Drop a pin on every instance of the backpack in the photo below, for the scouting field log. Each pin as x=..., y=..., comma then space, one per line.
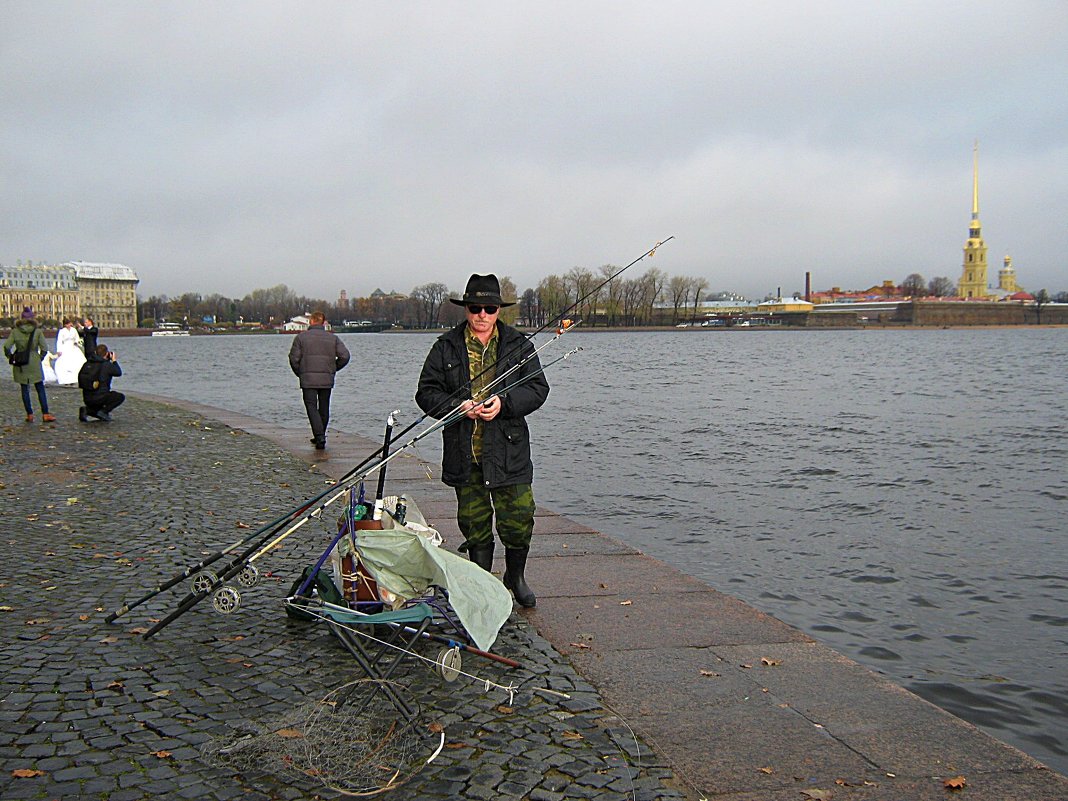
x=321, y=585
x=89, y=376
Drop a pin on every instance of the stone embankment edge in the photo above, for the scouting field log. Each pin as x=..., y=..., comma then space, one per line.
x=740, y=704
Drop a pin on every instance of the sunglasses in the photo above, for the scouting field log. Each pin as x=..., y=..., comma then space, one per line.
x=480, y=309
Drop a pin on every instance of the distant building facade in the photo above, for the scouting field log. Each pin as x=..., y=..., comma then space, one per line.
x=108, y=293
x=52, y=292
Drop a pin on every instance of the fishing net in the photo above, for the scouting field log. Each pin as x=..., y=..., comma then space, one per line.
x=353, y=741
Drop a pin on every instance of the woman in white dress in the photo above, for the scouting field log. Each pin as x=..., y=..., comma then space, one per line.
x=69, y=354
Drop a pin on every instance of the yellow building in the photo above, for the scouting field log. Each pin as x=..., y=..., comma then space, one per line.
x=1007, y=278
x=52, y=292
x=972, y=282
x=108, y=293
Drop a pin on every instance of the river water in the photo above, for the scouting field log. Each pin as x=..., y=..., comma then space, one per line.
x=899, y=495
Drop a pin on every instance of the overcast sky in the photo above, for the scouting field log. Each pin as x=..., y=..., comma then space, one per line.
x=222, y=147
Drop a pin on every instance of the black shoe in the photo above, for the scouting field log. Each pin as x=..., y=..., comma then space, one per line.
x=515, y=561
x=83, y=415
x=103, y=416
x=482, y=555
x=320, y=444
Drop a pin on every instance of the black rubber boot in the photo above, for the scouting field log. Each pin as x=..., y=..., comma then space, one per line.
x=482, y=555
x=515, y=561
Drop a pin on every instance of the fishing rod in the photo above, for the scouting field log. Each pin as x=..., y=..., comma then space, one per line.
x=275, y=525
x=278, y=523
x=350, y=523
x=262, y=547
x=550, y=322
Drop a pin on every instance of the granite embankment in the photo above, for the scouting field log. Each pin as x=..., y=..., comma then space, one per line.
x=725, y=701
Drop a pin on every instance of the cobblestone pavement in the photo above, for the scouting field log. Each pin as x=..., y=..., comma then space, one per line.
x=95, y=514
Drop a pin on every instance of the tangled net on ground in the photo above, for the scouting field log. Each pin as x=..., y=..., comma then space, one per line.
x=353, y=740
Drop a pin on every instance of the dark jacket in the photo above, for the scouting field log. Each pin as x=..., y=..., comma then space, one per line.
x=95, y=376
x=26, y=334
x=316, y=354
x=445, y=383
x=89, y=336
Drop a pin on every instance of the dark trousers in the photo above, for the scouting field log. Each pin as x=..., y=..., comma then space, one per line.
x=317, y=402
x=41, y=397
x=107, y=402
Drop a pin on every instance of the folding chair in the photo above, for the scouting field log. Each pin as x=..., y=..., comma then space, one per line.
x=380, y=656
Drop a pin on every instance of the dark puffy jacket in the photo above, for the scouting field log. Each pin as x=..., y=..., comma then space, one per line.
x=95, y=376
x=315, y=356
x=445, y=383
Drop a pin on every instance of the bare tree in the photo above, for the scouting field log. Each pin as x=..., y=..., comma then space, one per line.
x=611, y=294
x=552, y=297
x=652, y=283
x=914, y=286
x=679, y=289
x=697, y=286
x=427, y=300
x=941, y=287
x=1041, y=299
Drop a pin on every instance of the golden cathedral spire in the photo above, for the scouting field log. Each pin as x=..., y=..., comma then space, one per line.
x=972, y=282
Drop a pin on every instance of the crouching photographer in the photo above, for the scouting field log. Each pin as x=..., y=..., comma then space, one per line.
x=94, y=378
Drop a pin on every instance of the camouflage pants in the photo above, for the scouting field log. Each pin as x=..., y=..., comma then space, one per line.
x=475, y=506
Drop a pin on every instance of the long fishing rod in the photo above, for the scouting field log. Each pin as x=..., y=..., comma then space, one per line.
x=262, y=547
x=556, y=320
x=276, y=524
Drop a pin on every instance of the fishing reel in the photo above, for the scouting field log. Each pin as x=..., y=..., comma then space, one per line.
x=249, y=576
x=447, y=664
x=204, y=581
x=226, y=600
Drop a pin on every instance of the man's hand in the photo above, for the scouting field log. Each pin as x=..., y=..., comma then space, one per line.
x=470, y=408
x=490, y=408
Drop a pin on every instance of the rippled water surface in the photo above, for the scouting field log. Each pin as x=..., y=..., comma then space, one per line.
x=900, y=495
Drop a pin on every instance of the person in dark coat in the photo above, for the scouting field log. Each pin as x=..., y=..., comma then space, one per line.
x=26, y=338
x=94, y=378
x=486, y=454
x=315, y=356
x=89, y=333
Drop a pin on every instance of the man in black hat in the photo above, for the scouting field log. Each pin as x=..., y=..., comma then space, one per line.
x=486, y=454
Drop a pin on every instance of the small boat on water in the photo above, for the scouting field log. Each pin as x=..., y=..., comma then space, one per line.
x=170, y=330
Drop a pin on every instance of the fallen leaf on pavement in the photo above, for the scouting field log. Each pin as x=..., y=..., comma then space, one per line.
x=770, y=662
x=956, y=783
x=26, y=773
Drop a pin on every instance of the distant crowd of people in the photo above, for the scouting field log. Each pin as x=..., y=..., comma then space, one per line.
x=78, y=360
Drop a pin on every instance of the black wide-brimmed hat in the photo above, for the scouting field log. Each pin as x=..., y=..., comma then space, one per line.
x=482, y=289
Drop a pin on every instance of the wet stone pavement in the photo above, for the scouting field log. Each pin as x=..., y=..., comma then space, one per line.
x=95, y=514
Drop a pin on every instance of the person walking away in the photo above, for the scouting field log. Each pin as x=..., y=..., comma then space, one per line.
x=25, y=349
x=89, y=333
x=69, y=354
x=486, y=454
x=94, y=378
x=315, y=357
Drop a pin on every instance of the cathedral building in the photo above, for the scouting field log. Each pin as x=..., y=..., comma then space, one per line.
x=973, y=279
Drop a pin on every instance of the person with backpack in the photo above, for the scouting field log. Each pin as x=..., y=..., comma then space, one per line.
x=25, y=349
x=94, y=379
